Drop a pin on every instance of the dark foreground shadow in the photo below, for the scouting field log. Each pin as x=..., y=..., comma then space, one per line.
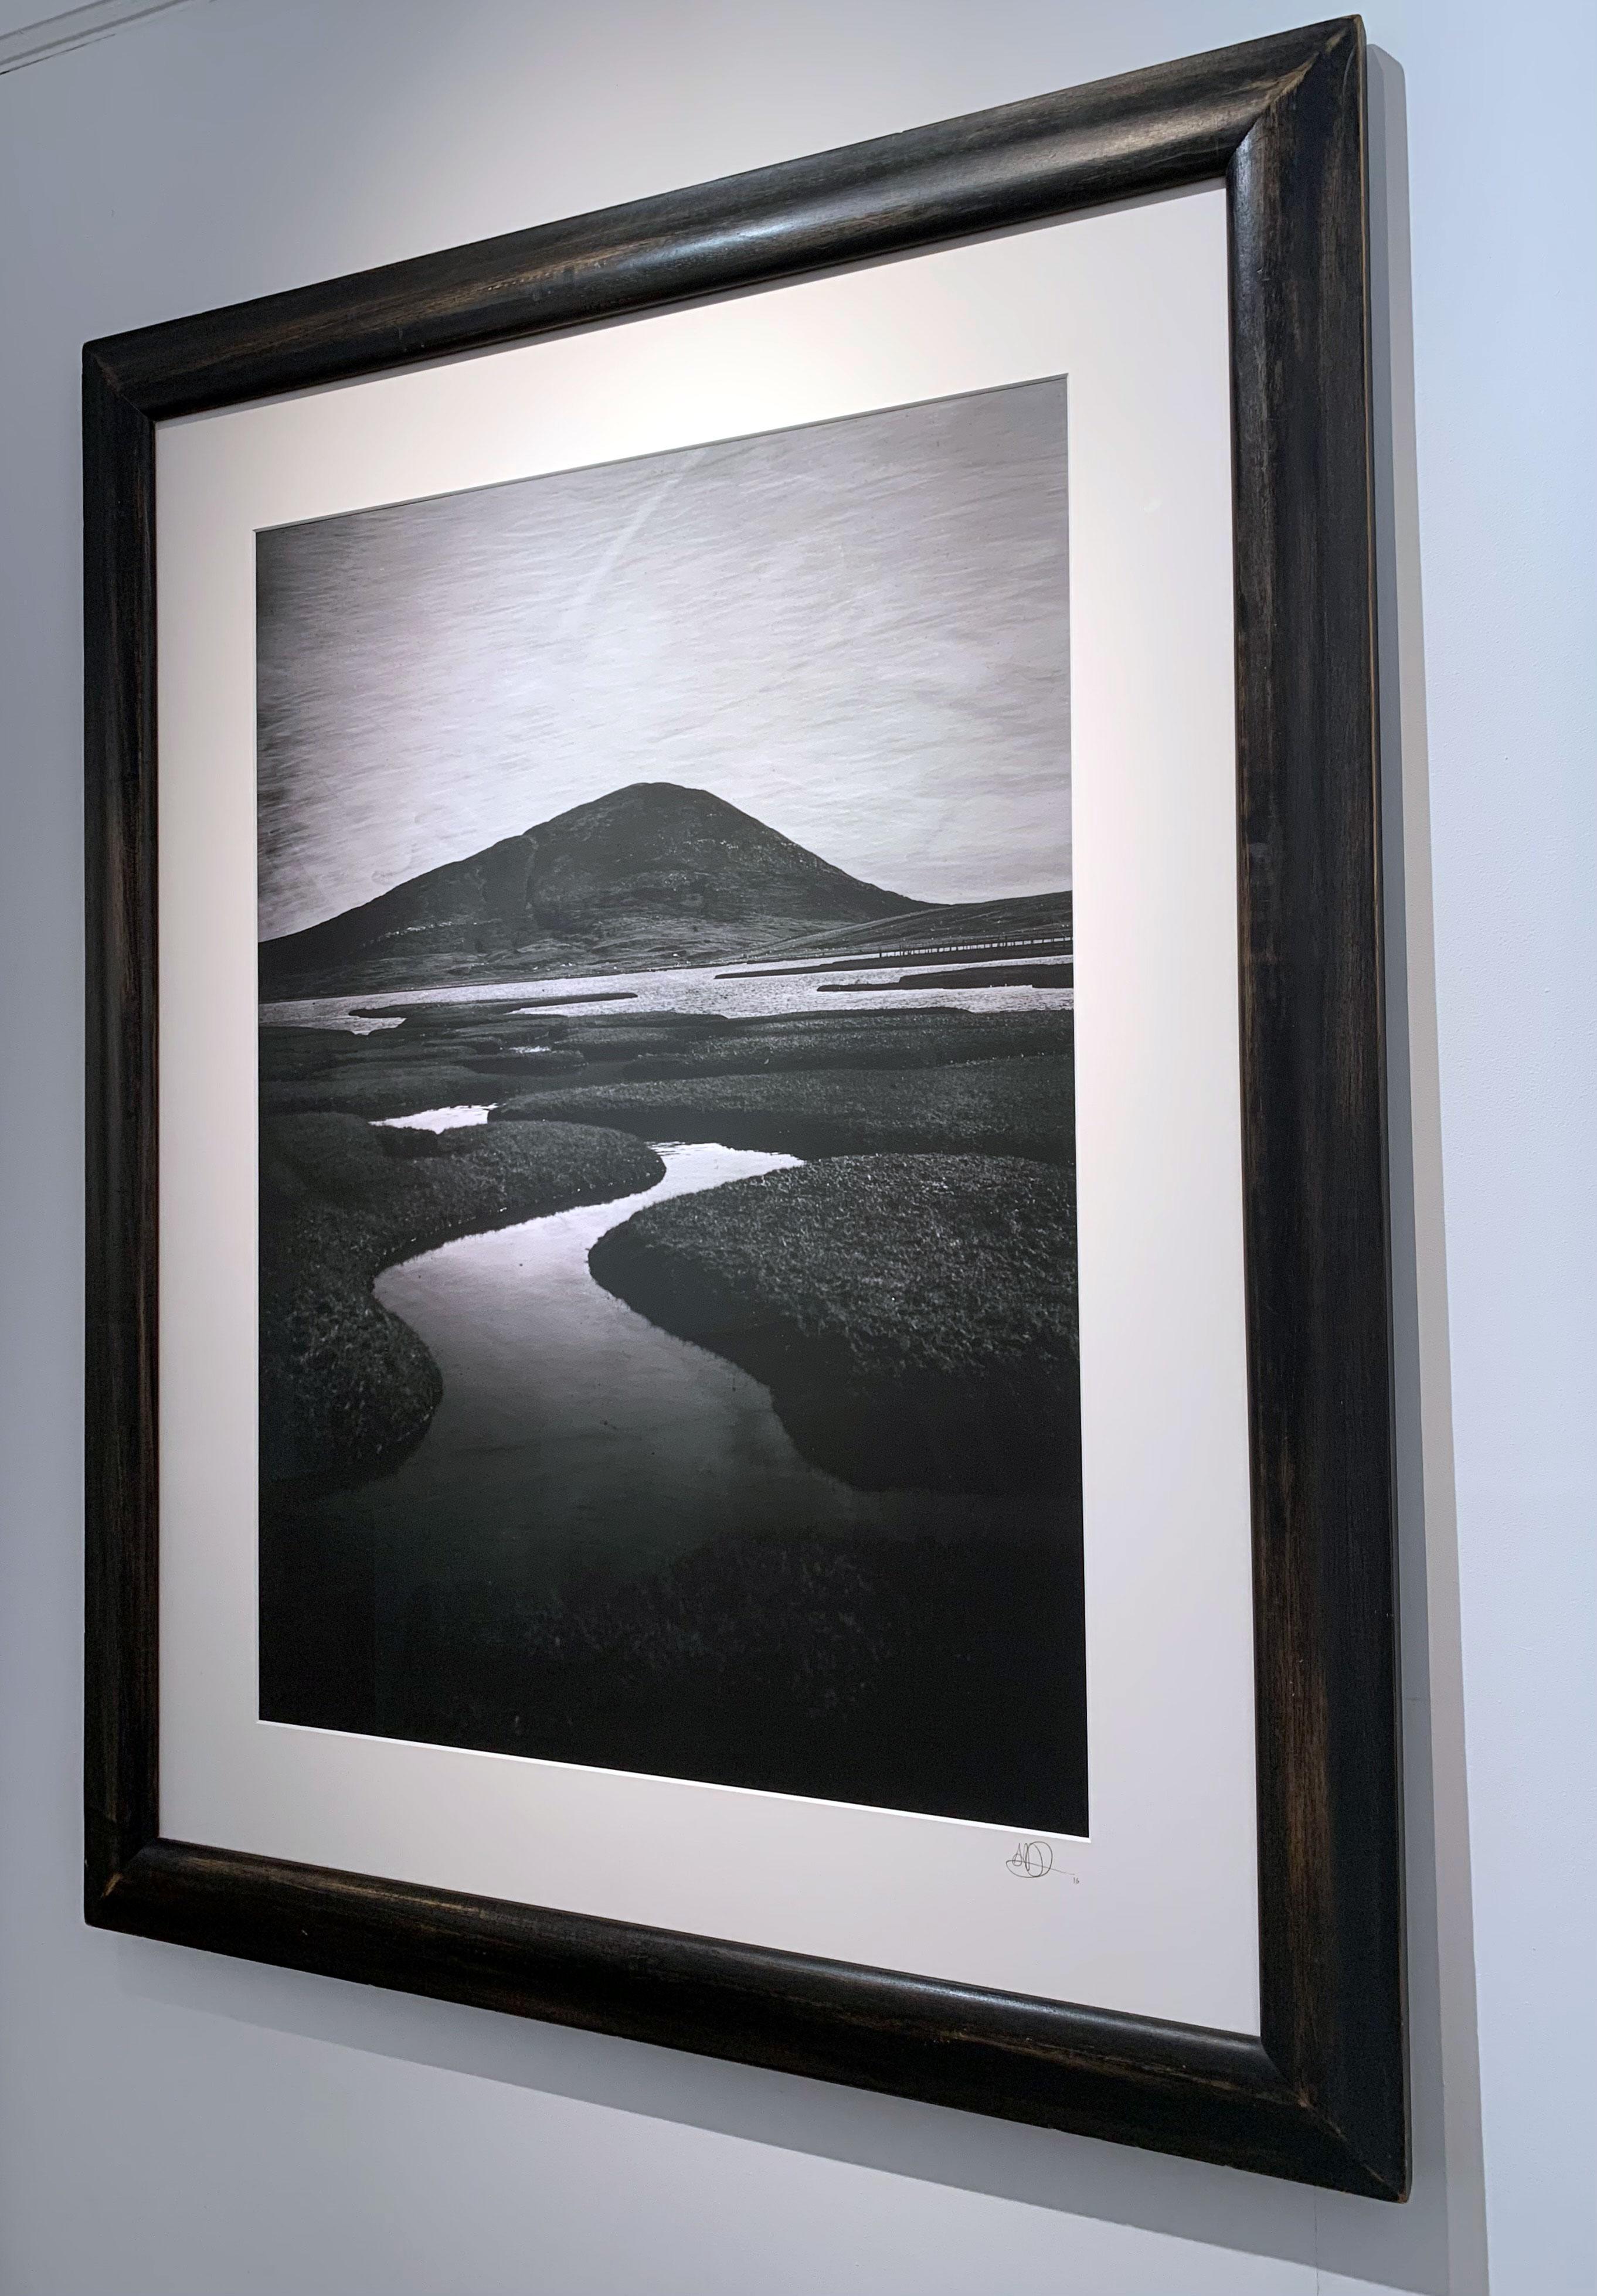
x=926, y=1673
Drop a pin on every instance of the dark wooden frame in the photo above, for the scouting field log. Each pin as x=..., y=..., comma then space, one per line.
x=1320, y=2096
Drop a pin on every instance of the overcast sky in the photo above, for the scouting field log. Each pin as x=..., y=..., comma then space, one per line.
x=857, y=631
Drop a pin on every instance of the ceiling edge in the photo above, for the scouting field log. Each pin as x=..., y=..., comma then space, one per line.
x=69, y=28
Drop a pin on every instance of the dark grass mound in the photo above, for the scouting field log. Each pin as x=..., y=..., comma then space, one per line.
x=986, y=1108
x=518, y=1061
x=884, y=1040
x=343, y=1383
x=405, y=1027
x=432, y=1060
x=290, y=1055
x=455, y=1054
x=922, y=1674
x=914, y=1317
x=373, y=1090
x=964, y=976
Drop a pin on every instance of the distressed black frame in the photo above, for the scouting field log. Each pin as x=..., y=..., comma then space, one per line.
x=1320, y=2096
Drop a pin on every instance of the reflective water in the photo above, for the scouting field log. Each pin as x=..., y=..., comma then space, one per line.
x=436, y=1119
x=574, y=1431
x=692, y=988
x=607, y=1549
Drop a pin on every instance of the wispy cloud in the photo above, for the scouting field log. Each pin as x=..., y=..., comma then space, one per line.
x=857, y=631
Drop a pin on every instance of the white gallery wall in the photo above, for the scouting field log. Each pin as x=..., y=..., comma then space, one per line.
x=174, y=2122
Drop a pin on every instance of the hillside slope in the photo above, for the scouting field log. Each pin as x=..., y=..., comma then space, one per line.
x=650, y=875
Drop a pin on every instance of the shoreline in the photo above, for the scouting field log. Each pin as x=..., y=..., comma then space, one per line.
x=348, y=1187
x=912, y=1316
x=767, y=1656
x=345, y=1385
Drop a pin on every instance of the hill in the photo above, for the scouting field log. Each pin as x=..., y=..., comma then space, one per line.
x=651, y=874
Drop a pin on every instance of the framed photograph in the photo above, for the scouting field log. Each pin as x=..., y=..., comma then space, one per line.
x=739, y=1369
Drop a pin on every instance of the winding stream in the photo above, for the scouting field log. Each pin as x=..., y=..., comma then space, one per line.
x=576, y=1443
x=581, y=1460
x=573, y=1432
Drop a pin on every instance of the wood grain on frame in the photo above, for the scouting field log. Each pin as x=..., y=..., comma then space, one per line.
x=1320, y=2096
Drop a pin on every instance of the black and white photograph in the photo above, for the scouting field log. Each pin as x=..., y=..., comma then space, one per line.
x=668, y=1348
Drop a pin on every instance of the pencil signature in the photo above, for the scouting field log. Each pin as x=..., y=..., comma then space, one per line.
x=1031, y=1861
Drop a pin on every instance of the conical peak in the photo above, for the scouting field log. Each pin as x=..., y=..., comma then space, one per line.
x=661, y=871
x=664, y=800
